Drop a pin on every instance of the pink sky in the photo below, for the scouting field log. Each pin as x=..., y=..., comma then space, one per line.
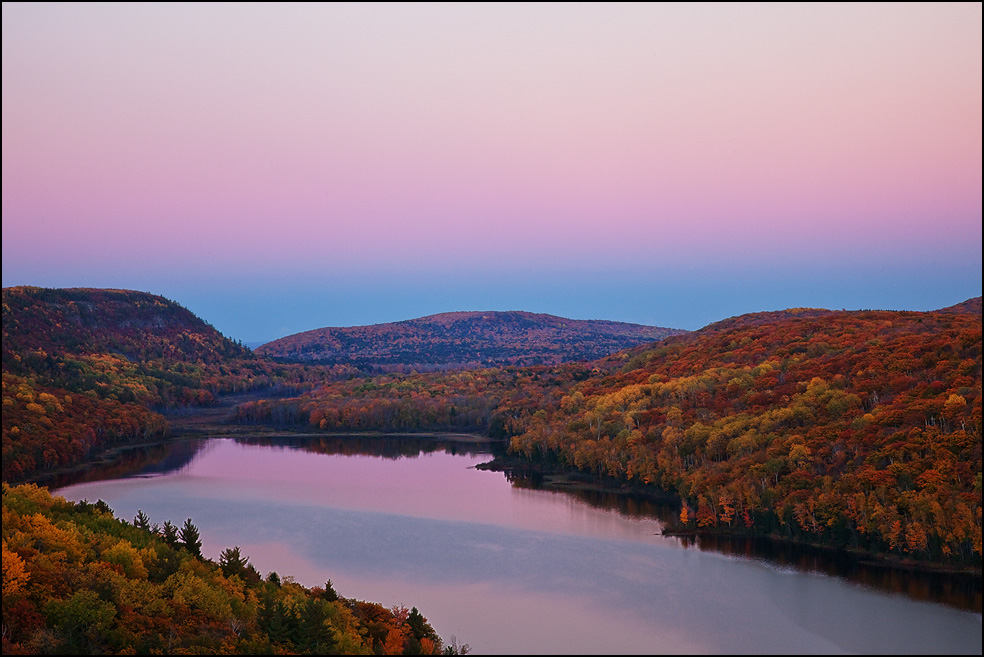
x=195, y=150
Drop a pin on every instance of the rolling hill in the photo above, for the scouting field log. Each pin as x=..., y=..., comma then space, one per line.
x=850, y=429
x=85, y=370
x=463, y=340
x=858, y=430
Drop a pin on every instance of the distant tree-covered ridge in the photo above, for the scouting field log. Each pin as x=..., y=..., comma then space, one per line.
x=463, y=340
x=76, y=580
x=855, y=429
x=85, y=370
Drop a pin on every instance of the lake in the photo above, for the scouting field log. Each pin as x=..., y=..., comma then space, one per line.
x=511, y=569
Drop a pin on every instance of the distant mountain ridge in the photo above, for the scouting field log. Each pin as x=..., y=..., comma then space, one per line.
x=458, y=340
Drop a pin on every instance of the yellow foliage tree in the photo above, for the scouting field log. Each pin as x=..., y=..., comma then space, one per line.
x=15, y=575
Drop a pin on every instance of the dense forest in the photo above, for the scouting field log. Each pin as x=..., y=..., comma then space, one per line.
x=86, y=370
x=852, y=429
x=855, y=430
x=76, y=580
x=463, y=340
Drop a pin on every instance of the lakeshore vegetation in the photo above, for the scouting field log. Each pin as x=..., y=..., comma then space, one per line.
x=856, y=430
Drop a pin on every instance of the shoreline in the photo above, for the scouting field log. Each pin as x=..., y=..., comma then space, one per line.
x=191, y=431
x=558, y=478
x=206, y=424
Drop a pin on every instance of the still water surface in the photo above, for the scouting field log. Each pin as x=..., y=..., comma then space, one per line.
x=512, y=570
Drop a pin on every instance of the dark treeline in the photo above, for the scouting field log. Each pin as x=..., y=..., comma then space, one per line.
x=387, y=446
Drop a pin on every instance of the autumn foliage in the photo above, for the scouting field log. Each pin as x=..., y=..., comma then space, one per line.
x=462, y=340
x=850, y=429
x=487, y=401
x=47, y=428
x=86, y=370
x=78, y=581
x=853, y=429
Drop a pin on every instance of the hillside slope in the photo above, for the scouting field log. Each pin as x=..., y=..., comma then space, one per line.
x=855, y=429
x=135, y=325
x=851, y=429
x=78, y=581
x=462, y=340
x=85, y=370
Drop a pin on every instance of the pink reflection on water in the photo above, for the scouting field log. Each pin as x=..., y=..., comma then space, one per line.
x=507, y=591
x=434, y=485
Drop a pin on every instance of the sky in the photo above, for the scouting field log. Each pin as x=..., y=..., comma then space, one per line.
x=277, y=168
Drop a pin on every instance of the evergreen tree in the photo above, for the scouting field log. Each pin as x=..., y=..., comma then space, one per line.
x=280, y=622
x=141, y=520
x=167, y=563
x=316, y=635
x=233, y=563
x=190, y=538
x=330, y=594
x=419, y=629
x=170, y=534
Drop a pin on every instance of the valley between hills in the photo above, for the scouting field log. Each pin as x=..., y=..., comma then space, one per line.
x=854, y=430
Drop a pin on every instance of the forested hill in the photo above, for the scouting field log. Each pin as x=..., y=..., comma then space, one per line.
x=85, y=370
x=972, y=306
x=855, y=429
x=134, y=325
x=464, y=340
x=852, y=429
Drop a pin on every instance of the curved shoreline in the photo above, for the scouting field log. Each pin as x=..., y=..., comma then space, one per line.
x=202, y=423
x=558, y=478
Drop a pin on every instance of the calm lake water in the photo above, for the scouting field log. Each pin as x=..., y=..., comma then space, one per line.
x=510, y=569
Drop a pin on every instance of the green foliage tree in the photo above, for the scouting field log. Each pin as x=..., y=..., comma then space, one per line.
x=233, y=563
x=82, y=619
x=316, y=635
x=190, y=538
x=141, y=521
x=170, y=534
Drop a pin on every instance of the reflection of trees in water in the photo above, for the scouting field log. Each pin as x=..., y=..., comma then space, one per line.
x=387, y=447
x=631, y=505
x=146, y=460
x=956, y=590
x=953, y=589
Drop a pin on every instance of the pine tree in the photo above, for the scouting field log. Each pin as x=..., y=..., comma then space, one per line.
x=141, y=520
x=233, y=563
x=170, y=534
x=190, y=538
x=316, y=635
